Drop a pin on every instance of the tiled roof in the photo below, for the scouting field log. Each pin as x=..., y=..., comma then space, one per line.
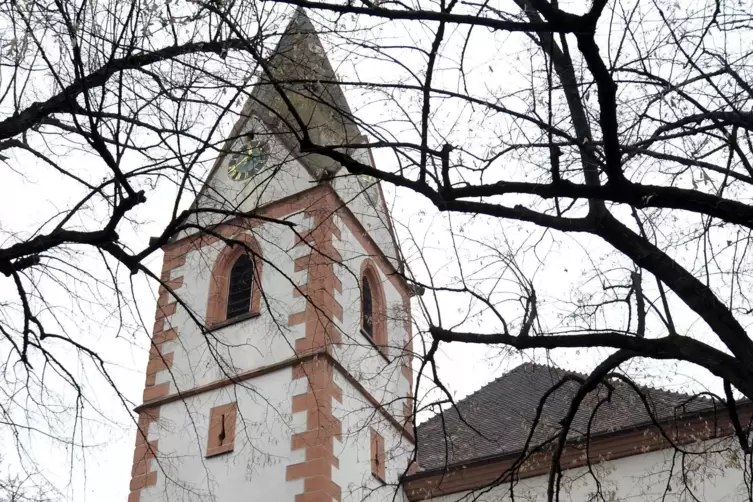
x=499, y=416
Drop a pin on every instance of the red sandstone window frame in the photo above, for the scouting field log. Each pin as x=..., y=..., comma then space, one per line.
x=221, y=434
x=219, y=283
x=377, y=456
x=378, y=307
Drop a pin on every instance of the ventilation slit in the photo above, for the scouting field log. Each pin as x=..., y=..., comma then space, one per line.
x=222, y=430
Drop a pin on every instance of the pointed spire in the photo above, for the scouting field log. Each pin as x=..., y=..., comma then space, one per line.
x=300, y=68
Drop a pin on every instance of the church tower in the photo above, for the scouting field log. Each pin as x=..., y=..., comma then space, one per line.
x=279, y=367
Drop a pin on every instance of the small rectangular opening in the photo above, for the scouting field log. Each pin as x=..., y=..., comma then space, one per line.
x=377, y=456
x=221, y=434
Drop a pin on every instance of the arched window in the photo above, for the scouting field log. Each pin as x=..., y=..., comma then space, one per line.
x=373, y=307
x=240, y=287
x=235, y=283
x=367, y=308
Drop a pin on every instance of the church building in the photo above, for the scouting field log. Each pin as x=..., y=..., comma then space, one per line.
x=281, y=363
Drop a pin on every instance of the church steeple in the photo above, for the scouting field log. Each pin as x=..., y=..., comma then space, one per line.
x=268, y=373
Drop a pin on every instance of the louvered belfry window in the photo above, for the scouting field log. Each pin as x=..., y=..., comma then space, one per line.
x=367, y=307
x=241, y=282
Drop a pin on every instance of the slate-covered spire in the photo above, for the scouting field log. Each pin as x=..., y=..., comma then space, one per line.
x=300, y=69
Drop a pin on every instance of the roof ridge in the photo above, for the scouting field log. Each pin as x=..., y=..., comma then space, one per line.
x=563, y=371
x=647, y=390
x=641, y=386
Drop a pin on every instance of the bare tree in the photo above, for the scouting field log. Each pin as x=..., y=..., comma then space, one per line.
x=26, y=488
x=621, y=130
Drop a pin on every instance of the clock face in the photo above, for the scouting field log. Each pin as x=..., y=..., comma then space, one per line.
x=249, y=161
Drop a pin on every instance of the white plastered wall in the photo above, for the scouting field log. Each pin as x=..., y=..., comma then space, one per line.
x=247, y=345
x=355, y=478
x=255, y=468
x=366, y=204
x=712, y=477
x=382, y=379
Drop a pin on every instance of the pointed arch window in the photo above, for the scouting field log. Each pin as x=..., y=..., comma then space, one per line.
x=240, y=287
x=367, y=308
x=373, y=307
